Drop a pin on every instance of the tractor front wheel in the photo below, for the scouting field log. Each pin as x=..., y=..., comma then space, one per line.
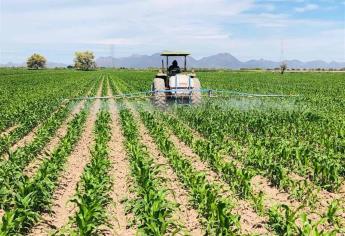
x=159, y=98
x=196, y=95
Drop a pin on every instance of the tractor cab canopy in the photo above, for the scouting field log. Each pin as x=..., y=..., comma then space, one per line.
x=168, y=54
x=175, y=54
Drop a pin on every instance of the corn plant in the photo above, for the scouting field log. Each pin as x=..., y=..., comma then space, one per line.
x=332, y=212
x=93, y=190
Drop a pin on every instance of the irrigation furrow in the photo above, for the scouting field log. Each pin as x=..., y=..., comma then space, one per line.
x=14, y=145
x=77, y=160
x=11, y=172
x=185, y=214
x=8, y=130
x=121, y=176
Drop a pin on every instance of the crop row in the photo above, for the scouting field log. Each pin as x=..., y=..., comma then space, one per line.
x=11, y=170
x=151, y=208
x=272, y=155
x=212, y=153
x=27, y=97
x=215, y=209
x=93, y=190
x=33, y=195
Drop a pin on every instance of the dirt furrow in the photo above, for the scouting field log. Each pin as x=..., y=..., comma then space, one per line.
x=2, y=212
x=185, y=213
x=31, y=169
x=120, y=173
x=62, y=209
x=272, y=196
x=342, y=191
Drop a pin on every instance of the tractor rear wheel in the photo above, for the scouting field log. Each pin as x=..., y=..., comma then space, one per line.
x=196, y=95
x=159, y=98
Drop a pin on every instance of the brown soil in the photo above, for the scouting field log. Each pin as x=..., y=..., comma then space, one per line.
x=2, y=212
x=251, y=223
x=272, y=196
x=341, y=191
x=9, y=130
x=121, y=176
x=184, y=214
x=62, y=209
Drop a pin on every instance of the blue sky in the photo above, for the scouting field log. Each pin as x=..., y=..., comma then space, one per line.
x=248, y=29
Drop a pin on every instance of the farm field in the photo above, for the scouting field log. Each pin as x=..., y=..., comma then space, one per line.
x=231, y=166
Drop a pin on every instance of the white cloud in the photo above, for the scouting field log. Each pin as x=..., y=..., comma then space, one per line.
x=307, y=7
x=146, y=26
x=127, y=23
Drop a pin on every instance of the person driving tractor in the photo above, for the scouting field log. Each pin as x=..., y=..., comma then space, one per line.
x=174, y=68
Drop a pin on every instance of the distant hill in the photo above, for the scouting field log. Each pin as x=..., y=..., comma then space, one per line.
x=49, y=65
x=221, y=60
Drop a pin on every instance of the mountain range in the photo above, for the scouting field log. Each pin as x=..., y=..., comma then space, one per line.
x=221, y=60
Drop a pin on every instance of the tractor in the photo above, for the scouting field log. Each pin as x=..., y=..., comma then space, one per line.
x=175, y=84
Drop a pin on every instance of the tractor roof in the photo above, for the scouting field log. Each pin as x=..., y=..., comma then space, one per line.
x=166, y=53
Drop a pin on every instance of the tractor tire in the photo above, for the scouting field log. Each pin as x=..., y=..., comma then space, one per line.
x=159, y=98
x=196, y=95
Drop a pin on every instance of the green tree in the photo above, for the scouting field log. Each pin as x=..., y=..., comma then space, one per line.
x=36, y=61
x=84, y=60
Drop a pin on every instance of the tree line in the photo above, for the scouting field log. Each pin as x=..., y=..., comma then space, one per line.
x=82, y=61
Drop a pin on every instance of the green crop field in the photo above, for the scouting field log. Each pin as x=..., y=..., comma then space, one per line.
x=234, y=165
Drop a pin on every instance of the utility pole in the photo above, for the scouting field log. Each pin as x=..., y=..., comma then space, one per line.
x=112, y=55
x=283, y=64
x=281, y=51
